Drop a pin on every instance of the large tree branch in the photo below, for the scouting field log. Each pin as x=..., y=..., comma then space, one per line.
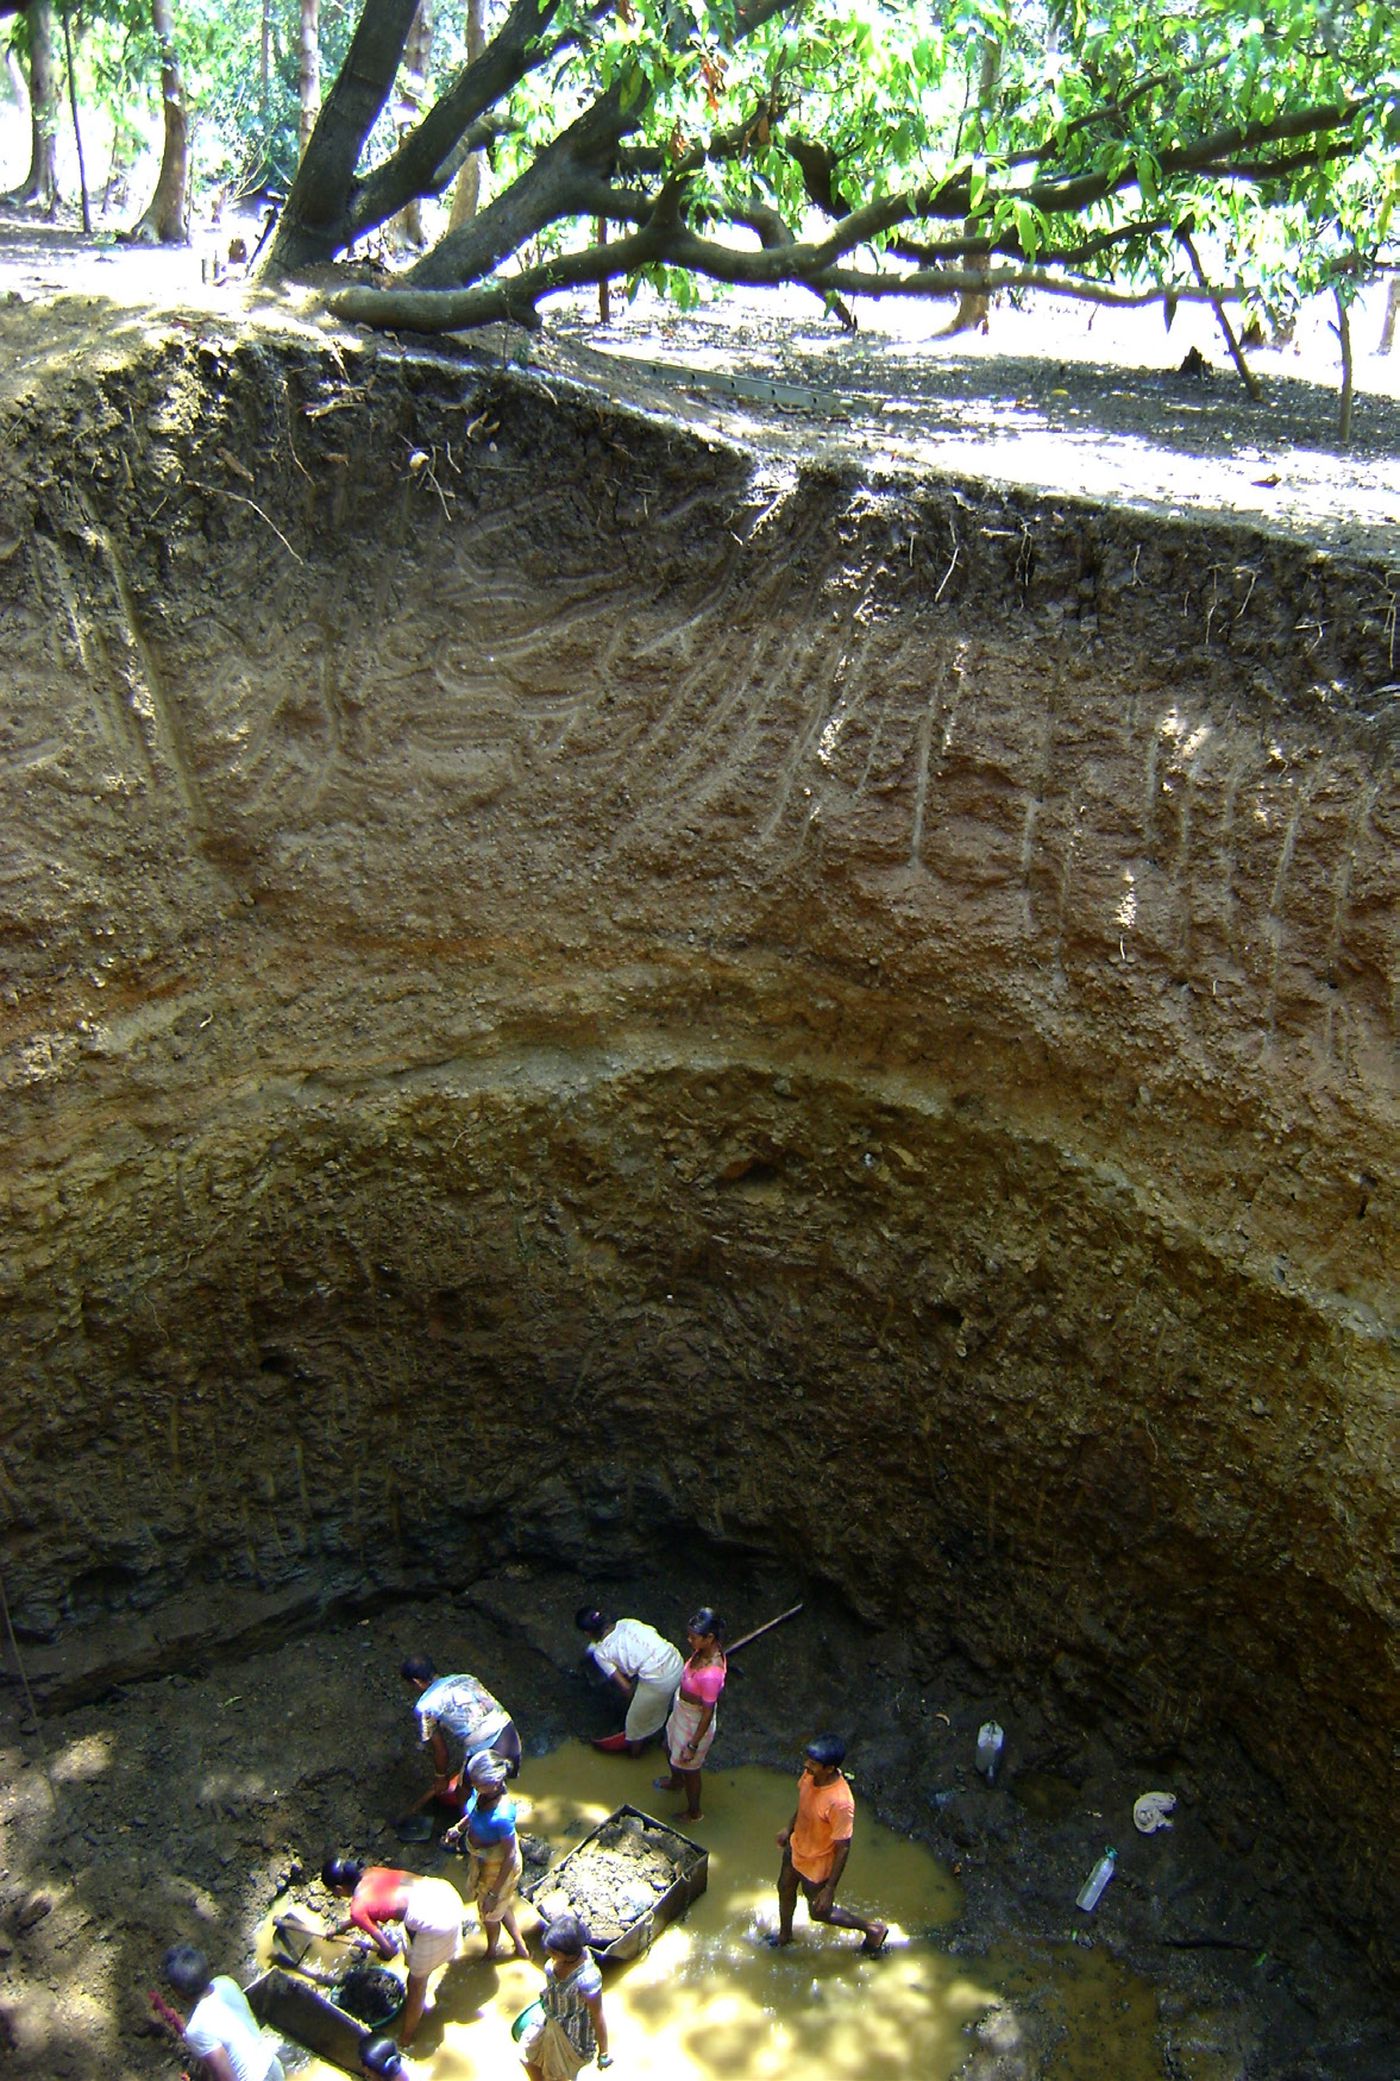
x=572, y=190
x=1106, y=113
x=1078, y=191
x=683, y=248
x=541, y=194
x=1010, y=246
x=418, y=166
x=1061, y=195
x=513, y=299
x=665, y=240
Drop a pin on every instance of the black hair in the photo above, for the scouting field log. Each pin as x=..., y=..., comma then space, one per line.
x=567, y=1934
x=338, y=1872
x=380, y=2056
x=707, y=1621
x=589, y=1619
x=827, y=1749
x=187, y=1969
x=417, y=1669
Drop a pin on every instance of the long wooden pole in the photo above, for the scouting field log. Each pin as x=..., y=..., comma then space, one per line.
x=735, y=1645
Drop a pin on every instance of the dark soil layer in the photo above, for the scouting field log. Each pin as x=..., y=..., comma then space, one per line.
x=573, y=987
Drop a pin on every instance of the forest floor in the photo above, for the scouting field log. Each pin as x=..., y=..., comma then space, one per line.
x=1091, y=403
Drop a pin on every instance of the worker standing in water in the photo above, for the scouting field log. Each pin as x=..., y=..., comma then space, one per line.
x=644, y=1667
x=571, y=2027
x=487, y=1832
x=816, y=1843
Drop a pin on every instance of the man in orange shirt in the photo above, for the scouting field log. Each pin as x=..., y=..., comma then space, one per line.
x=816, y=1843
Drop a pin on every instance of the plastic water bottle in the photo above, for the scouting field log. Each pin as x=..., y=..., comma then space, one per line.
x=989, y=1746
x=1091, y=1892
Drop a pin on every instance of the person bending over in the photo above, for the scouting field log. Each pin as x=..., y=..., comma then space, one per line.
x=222, y=2030
x=430, y=1910
x=643, y=1666
x=816, y=1843
x=457, y=1719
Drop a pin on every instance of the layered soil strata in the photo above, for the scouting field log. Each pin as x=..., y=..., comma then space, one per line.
x=558, y=969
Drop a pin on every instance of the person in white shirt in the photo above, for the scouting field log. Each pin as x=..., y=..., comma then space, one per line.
x=644, y=1667
x=223, y=2029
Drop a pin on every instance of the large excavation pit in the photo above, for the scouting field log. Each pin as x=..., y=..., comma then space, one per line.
x=593, y=1008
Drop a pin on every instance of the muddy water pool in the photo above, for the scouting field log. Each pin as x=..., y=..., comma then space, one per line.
x=711, y=1999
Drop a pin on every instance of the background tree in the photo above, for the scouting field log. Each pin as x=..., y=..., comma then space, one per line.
x=975, y=304
x=35, y=38
x=412, y=86
x=309, y=69
x=165, y=220
x=467, y=193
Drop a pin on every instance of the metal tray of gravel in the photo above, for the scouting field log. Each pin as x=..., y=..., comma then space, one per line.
x=626, y=1879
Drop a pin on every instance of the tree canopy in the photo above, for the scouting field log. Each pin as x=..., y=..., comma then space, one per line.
x=1091, y=148
x=1119, y=150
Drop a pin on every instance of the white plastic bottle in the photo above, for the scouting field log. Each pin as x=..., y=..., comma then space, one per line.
x=1091, y=1892
x=989, y=1746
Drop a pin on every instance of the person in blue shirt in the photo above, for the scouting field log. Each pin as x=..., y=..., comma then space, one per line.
x=486, y=1832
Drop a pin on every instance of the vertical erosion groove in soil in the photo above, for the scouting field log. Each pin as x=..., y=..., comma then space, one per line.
x=861, y=1019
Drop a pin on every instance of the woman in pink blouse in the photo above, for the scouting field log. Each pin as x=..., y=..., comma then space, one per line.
x=692, y=1725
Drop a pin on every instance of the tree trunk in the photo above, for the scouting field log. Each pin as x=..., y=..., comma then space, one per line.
x=466, y=196
x=166, y=220
x=41, y=182
x=1347, y=394
x=1392, y=311
x=312, y=224
x=309, y=71
x=71, y=68
x=413, y=81
x=974, y=305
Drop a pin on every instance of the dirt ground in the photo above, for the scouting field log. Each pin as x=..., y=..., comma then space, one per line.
x=1086, y=401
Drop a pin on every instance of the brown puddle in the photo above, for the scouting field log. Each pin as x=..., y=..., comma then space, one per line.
x=711, y=1999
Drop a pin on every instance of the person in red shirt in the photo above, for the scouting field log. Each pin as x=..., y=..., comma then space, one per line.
x=815, y=1845
x=430, y=1910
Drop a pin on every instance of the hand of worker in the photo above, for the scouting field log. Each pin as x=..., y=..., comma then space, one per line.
x=784, y=1838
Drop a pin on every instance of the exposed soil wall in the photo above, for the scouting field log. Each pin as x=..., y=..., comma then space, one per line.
x=562, y=973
